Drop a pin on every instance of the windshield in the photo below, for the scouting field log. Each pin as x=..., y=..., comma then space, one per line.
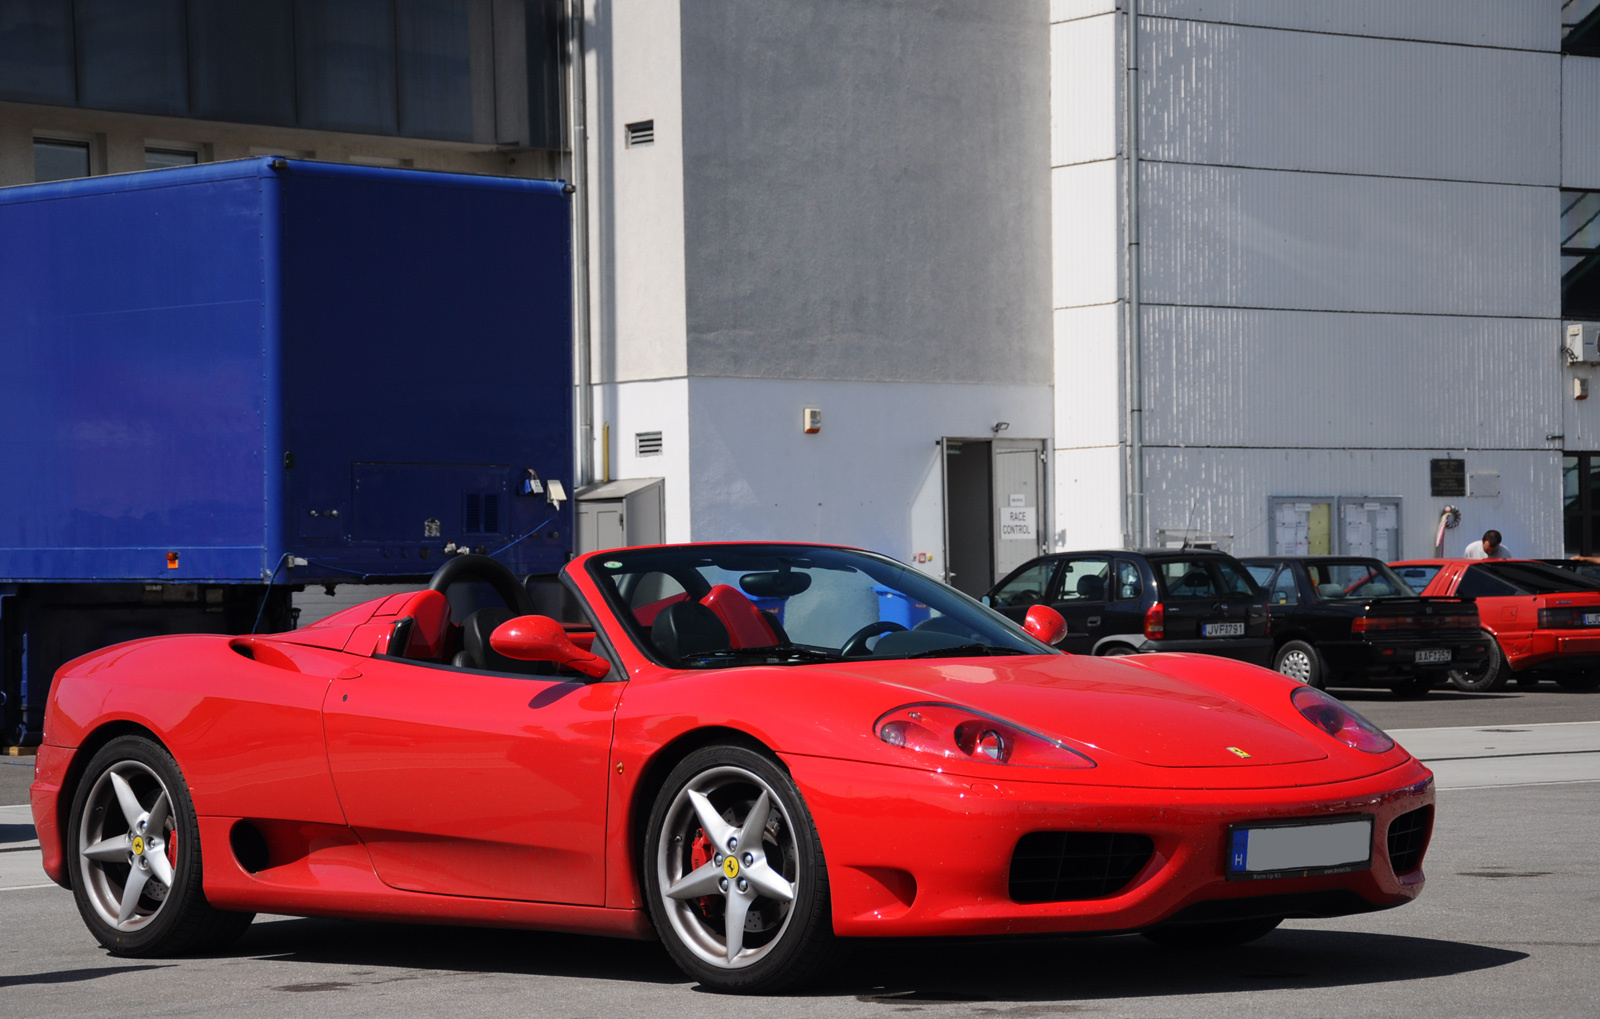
x=713, y=606
x=1356, y=580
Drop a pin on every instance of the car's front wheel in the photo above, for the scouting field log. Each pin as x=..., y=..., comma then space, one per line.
x=1300, y=661
x=1491, y=675
x=135, y=856
x=1221, y=934
x=734, y=874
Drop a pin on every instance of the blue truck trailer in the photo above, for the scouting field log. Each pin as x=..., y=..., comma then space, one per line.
x=222, y=382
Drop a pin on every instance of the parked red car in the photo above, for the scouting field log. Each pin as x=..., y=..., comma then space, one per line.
x=1545, y=620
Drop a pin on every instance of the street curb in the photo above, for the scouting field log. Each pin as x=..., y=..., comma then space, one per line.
x=20, y=751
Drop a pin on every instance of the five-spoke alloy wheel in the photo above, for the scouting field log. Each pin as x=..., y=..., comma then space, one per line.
x=736, y=882
x=135, y=856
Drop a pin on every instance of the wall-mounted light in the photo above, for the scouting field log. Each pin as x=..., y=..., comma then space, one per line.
x=999, y=426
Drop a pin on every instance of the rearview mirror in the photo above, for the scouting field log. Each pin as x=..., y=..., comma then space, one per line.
x=542, y=639
x=1043, y=623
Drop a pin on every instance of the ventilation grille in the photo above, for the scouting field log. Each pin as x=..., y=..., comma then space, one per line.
x=1064, y=866
x=642, y=133
x=483, y=513
x=647, y=443
x=1408, y=839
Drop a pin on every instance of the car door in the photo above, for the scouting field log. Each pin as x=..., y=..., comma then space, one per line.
x=466, y=782
x=1504, y=611
x=1129, y=596
x=1079, y=594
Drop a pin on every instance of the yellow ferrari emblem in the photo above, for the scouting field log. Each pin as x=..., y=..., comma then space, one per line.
x=138, y=845
x=730, y=867
x=1237, y=751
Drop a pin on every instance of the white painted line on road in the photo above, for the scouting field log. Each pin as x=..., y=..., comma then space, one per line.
x=24, y=888
x=1493, y=756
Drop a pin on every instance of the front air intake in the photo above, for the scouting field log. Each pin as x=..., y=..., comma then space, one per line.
x=1408, y=839
x=1065, y=866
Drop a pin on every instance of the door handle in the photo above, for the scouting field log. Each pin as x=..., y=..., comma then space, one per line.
x=1094, y=620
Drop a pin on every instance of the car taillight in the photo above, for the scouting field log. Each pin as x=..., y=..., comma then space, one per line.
x=1338, y=721
x=1374, y=624
x=1560, y=619
x=1155, y=622
x=950, y=731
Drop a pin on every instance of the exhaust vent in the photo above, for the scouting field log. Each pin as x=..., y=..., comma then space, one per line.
x=647, y=443
x=642, y=132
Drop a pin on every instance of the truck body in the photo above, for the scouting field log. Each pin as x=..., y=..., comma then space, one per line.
x=223, y=380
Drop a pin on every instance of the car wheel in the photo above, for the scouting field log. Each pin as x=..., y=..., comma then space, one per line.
x=1588, y=679
x=734, y=873
x=1410, y=689
x=135, y=856
x=1222, y=934
x=1492, y=675
x=1300, y=661
x=1116, y=651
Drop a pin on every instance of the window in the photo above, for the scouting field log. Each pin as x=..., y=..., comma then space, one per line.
x=1478, y=583
x=435, y=69
x=1580, y=254
x=36, y=64
x=132, y=55
x=1580, y=27
x=241, y=60
x=1130, y=582
x=1356, y=580
x=54, y=159
x=160, y=159
x=1194, y=579
x=344, y=65
x=1416, y=577
x=1083, y=580
x=1284, y=590
x=1027, y=587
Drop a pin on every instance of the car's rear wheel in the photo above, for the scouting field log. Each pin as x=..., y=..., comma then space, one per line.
x=1116, y=651
x=1302, y=662
x=1491, y=675
x=1222, y=934
x=135, y=856
x=1587, y=679
x=734, y=873
x=1416, y=686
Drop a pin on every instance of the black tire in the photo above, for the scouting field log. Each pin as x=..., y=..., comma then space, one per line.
x=1116, y=651
x=1492, y=675
x=1413, y=688
x=1588, y=679
x=1301, y=661
x=793, y=941
x=157, y=919
x=1222, y=934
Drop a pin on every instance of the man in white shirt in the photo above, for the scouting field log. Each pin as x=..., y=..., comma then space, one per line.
x=1488, y=547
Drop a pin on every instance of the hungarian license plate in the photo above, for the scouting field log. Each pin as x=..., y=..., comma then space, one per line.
x=1591, y=619
x=1222, y=629
x=1433, y=654
x=1297, y=848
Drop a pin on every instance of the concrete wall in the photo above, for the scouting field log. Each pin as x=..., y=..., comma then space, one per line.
x=865, y=192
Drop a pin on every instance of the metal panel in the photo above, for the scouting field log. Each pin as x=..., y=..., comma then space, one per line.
x=1239, y=482
x=1228, y=95
x=1519, y=24
x=1067, y=10
x=1217, y=376
x=1019, y=510
x=1085, y=75
x=1087, y=235
x=1276, y=239
x=1087, y=393
x=1580, y=126
x=1088, y=498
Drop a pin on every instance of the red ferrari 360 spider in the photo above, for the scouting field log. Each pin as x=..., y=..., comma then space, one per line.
x=749, y=751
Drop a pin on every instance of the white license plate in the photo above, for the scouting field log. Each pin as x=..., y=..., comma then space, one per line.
x=1591, y=619
x=1433, y=654
x=1222, y=630
x=1292, y=849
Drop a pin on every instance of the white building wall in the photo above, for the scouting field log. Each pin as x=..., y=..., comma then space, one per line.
x=653, y=406
x=1508, y=24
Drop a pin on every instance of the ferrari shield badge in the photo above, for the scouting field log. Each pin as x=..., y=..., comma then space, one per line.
x=1237, y=752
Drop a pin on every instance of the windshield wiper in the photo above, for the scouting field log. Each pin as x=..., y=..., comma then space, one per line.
x=964, y=650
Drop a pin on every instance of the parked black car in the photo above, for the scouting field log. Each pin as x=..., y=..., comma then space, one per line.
x=1121, y=602
x=1350, y=621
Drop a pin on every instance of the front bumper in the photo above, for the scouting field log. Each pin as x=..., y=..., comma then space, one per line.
x=915, y=853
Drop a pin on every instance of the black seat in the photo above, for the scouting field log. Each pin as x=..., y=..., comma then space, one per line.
x=1092, y=588
x=476, y=653
x=687, y=628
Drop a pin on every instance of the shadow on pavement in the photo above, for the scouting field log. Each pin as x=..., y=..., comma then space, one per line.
x=72, y=976
x=906, y=972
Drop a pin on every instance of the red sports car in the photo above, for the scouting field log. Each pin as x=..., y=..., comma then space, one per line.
x=1545, y=620
x=747, y=750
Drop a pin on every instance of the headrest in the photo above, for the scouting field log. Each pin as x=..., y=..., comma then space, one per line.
x=1092, y=588
x=687, y=628
x=746, y=626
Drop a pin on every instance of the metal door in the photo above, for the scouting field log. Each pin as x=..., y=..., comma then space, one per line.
x=1018, y=489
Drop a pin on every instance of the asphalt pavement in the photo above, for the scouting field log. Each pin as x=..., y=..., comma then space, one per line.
x=1508, y=925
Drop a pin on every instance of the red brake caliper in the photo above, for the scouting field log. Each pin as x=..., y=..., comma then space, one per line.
x=172, y=847
x=700, y=854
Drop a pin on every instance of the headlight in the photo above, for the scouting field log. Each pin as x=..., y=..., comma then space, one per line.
x=955, y=733
x=1340, y=722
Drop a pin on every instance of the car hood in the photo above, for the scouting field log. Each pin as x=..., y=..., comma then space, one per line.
x=1143, y=709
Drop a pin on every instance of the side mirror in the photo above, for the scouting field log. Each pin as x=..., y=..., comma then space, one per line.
x=541, y=639
x=1043, y=623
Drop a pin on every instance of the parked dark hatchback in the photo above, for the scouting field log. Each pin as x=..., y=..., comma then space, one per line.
x=1349, y=621
x=1121, y=602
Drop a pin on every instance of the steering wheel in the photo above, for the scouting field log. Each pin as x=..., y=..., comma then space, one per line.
x=481, y=568
x=857, y=644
